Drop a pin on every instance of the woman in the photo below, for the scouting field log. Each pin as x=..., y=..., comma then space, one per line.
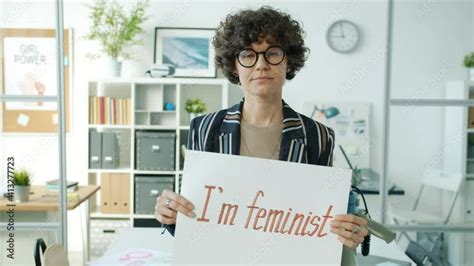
x=259, y=50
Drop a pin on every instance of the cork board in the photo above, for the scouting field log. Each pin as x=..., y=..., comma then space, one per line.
x=28, y=67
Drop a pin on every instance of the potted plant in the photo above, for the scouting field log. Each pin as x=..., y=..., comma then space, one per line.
x=116, y=31
x=469, y=63
x=22, y=182
x=195, y=107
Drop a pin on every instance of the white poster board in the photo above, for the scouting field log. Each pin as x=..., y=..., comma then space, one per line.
x=256, y=211
x=30, y=69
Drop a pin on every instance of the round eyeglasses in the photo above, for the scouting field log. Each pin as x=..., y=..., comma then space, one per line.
x=248, y=57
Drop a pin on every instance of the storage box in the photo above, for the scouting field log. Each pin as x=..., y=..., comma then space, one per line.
x=147, y=189
x=103, y=232
x=155, y=151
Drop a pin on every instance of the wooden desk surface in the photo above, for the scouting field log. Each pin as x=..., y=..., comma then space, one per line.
x=41, y=199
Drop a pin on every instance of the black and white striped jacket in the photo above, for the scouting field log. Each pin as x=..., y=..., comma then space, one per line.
x=303, y=141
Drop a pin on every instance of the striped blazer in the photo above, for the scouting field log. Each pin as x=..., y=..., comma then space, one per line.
x=303, y=139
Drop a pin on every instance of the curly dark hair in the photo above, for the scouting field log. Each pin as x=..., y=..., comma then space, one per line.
x=248, y=26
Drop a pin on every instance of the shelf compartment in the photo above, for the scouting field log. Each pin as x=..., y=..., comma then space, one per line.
x=118, y=90
x=100, y=145
x=162, y=118
x=211, y=95
x=110, y=103
x=149, y=97
x=97, y=214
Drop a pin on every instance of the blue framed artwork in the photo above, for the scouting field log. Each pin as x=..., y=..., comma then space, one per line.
x=188, y=50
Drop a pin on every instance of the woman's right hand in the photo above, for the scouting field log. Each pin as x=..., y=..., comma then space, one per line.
x=169, y=204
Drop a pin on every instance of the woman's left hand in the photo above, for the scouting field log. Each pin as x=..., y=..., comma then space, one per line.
x=350, y=229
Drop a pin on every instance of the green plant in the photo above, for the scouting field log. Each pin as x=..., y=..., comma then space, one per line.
x=195, y=106
x=469, y=60
x=114, y=29
x=21, y=178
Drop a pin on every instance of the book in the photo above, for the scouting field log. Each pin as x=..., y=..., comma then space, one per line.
x=55, y=182
x=56, y=188
x=53, y=185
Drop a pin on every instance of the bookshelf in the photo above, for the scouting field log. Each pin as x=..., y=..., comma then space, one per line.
x=141, y=102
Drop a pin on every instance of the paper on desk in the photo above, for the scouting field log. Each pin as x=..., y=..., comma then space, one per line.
x=135, y=257
x=230, y=192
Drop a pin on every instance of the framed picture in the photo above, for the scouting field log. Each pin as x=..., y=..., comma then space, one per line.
x=189, y=50
x=28, y=67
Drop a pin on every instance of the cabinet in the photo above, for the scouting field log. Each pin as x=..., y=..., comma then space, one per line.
x=150, y=139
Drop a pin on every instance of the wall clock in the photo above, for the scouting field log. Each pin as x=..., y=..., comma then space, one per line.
x=343, y=36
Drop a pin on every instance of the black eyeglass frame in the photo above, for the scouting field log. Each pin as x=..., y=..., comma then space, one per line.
x=258, y=54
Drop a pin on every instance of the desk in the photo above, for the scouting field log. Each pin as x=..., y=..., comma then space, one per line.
x=371, y=184
x=151, y=238
x=43, y=200
x=34, y=215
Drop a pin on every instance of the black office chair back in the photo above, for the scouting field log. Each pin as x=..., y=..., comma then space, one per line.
x=40, y=248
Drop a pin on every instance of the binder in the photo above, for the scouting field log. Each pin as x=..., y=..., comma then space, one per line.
x=95, y=149
x=124, y=195
x=115, y=195
x=110, y=150
x=105, y=196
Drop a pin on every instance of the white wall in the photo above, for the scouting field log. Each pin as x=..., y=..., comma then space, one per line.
x=421, y=49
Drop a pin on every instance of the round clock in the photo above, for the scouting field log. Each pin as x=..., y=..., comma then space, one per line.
x=343, y=36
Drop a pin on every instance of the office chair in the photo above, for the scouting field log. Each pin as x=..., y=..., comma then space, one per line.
x=450, y=182
x=429, y=246
x=54, y=255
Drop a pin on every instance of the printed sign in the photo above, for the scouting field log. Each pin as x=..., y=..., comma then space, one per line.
x=257, y=211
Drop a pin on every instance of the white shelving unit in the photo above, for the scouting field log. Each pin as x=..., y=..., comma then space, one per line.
x=459, y=158
x=468, y=193
x=147, y=113
x=148, y=97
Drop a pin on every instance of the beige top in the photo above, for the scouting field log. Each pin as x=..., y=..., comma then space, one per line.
x=260, y=142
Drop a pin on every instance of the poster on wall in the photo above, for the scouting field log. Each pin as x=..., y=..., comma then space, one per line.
x=351, y=124
x=256, y=211
x=29, y=68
